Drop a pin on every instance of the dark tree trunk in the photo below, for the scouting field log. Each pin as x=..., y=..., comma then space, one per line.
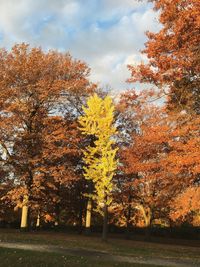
x=80, y=217
x=128, y=224
x=105, y=223
x=148, y=229
x=57, y=217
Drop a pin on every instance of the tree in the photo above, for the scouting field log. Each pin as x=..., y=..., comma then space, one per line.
x=159, y=168
x=60, y=160
x=183, y=163
x=127, y=121
x=173, y=54
x=186, y=203
x=100, y=157
x=33, y=85
x=144, y=164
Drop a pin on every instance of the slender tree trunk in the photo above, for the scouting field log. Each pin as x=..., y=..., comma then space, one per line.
x=80, y=217
x=38, y=221
x=105, y=223
x=88, y=217
x=29, y=197
x=128, y=224
x=24, y=216
x=57, y=212
x=57, y=208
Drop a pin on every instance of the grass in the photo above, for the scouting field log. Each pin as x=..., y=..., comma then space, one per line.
x=18, y=258
x=113, y=246
x=64, y=241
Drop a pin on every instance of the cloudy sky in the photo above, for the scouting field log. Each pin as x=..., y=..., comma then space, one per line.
x=107, y=34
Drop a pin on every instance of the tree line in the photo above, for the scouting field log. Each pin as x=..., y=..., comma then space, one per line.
x=66, y=147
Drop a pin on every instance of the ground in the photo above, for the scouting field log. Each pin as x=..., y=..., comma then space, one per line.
x=73, y=250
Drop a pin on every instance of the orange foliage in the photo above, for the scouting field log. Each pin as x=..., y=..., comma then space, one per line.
x=174, y=54
x=159, y=162
x=37, y=148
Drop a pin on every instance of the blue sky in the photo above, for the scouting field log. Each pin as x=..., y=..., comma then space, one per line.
x=107, y=34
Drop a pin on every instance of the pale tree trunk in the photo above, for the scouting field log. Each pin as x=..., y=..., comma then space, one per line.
x=147, y=218
x=24, y=216
x=147, y=215
x=38, y=221
x=88, y=217
x=105, y=223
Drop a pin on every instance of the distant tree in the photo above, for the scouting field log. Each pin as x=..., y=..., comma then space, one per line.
x=127, y=121
x=143, y=165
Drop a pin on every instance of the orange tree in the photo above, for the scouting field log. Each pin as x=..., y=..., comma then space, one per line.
x=173, y=54
x=33, y=86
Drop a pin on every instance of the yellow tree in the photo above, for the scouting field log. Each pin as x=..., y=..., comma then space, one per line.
x=100, y=157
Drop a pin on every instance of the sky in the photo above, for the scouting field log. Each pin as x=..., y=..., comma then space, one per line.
x=106, y=34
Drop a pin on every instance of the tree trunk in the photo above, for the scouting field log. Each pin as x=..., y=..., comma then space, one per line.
x=148, y=220
x=147, y=215
x=80, y=217
x=24, y=216
x=38, y=221
x=88, y=217
x=57, y=215
x=128, y=224
x=105, y=223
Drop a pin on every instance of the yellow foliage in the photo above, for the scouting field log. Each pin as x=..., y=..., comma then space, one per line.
x=100, y=157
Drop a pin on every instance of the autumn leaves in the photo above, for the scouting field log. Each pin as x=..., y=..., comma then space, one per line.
x=63, y=146
x=37, y=151
x=100, y=155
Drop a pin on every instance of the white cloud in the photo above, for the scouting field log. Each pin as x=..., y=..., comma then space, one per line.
x=107, y=34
